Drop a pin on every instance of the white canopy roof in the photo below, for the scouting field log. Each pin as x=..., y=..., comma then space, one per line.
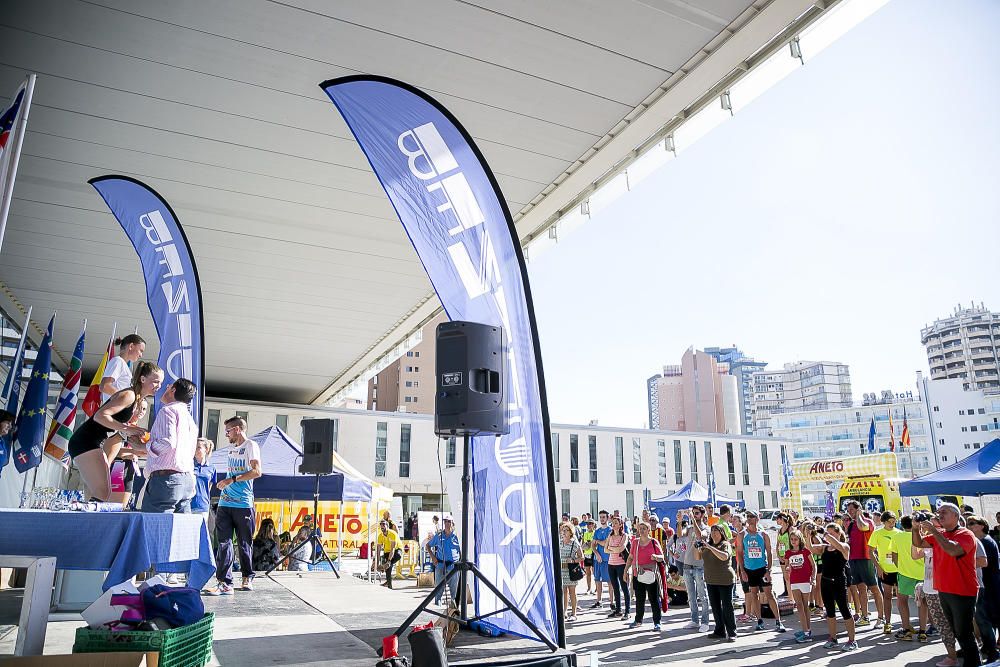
x=306, y=272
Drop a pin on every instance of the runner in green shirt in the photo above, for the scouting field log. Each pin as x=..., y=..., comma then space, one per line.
x=588, y=554
x=880, y=545
x=910, y=573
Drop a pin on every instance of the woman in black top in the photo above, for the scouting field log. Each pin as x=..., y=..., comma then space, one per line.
x=86, y=445
x=833, y=583
x=265, y=547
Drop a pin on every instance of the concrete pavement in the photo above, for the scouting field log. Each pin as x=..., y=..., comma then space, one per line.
x=316, y=619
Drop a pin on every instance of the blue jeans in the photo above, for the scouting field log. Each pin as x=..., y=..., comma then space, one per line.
x=694, y=579
x=169, y=493
x=439, y=571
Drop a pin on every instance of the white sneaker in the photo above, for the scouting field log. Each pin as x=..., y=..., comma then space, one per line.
x=692, y=625
x=703, y=627
x=173, y=579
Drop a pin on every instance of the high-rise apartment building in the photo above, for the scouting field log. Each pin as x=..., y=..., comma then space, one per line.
x=742, y=368
x=407, y=384
x=802, y=385
x=698, y=395
x=965, y=346
x=961, y=420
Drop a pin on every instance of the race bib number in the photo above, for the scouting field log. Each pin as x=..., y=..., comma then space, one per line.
x=754, y=552
x=797, y=561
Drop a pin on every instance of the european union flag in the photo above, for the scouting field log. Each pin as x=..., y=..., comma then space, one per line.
x=31, y=421
x=871, y=436
x=12, y=390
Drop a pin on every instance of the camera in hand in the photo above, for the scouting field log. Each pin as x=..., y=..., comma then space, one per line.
x=921, y=515
x=699, y=544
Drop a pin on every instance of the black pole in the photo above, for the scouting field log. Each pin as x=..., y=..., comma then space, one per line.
x=466, y=523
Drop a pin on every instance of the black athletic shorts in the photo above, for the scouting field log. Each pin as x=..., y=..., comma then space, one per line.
x=755, y=578
x=888, y=579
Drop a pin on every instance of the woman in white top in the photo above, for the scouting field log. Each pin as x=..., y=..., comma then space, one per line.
x=117, y=374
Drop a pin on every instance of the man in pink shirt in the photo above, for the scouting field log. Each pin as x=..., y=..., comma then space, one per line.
x=170, y=463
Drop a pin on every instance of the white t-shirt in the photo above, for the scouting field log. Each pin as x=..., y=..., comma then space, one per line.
x=121, y=375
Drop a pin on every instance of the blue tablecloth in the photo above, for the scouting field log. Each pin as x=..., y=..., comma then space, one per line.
x=123, y=543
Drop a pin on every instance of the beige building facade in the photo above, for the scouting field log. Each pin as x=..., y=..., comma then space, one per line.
x=697, y=395
x=407, y=384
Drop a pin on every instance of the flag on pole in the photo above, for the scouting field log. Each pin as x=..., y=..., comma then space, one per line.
x=62, y=425
x=904, y=439
x=871, y=435
x=786, y=474
x=12, y=391
x=892, y=434
x=13, y=123
x=92, y=400
x=31, y=421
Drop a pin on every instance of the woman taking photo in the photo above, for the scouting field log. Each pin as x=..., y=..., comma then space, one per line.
x=644, y=562
x=617, y=544
x=833, y=584
x=720, y=579
x=800, y=581
x=86, y=445
x=570, y=552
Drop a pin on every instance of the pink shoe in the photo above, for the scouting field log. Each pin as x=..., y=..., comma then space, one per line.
x=947, y=662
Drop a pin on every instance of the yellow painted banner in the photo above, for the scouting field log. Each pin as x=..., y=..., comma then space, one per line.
x=290, y=516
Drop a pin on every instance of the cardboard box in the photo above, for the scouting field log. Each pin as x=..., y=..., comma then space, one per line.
x=121, y=659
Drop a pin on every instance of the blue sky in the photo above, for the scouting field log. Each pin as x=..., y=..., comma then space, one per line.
x=832, y=218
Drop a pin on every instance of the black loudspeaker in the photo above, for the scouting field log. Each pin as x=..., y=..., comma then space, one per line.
x=471, y=368
x=317, y=446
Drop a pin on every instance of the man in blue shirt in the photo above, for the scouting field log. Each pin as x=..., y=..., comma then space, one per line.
x=445, y=549
x=235, y=514
x=601, y=575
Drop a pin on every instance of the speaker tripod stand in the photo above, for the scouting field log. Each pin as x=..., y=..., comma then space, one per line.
x=462, y=566
x=314, y=541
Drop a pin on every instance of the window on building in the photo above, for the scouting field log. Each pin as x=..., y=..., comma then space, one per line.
x=961, y=412
x=661, y=461
x=693, y=455
x=381, y=447
x=760, y=499
x=594, y=504
x=944, y=458
x=974, y=428
x=965, y=429
x=416, y=383
x=211, y=425
x=555, y=455
x=244, y=415
x=408, y=383
x=450, y=452
x=976, y=445
x=765, y=466
x=407, y=399
x=636, y=461
x=620, y=460
x=774, y=499
x=281, y=421
x=937, y=409
x=592, y=449
x=416, y=369
x=745, y=464
x=731, y=464
x=629, y=503
x=941, y=441
x=416, y=354
x=739, y=495
x=565, y=501
x=709, y=465
x=409, y=353
x=981, y=411
x=574, y=457
x=404, y=450
x=678, y=466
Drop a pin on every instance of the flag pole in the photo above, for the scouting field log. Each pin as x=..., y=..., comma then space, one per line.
x=8, y=186
x=17, y=354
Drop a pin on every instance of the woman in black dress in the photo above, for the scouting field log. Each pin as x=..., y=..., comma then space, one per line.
x=87, y=444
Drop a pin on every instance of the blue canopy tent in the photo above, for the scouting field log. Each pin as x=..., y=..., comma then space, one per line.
x=690, y=494
x=976, y=475
x=280, y=459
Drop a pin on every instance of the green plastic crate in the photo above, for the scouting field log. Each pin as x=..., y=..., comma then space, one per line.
x=189, y=646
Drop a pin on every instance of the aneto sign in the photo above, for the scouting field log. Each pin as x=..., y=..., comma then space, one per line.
x=454, y=214
x=825, y=467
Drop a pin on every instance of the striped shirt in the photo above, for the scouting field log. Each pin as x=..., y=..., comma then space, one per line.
x=172, y=439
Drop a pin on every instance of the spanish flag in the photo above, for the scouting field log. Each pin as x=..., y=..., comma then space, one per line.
x=92, y=401
x=904, y=440
x=892, y=434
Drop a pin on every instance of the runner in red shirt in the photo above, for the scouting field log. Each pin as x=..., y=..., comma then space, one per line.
x=954, y=575
x=800, y=580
